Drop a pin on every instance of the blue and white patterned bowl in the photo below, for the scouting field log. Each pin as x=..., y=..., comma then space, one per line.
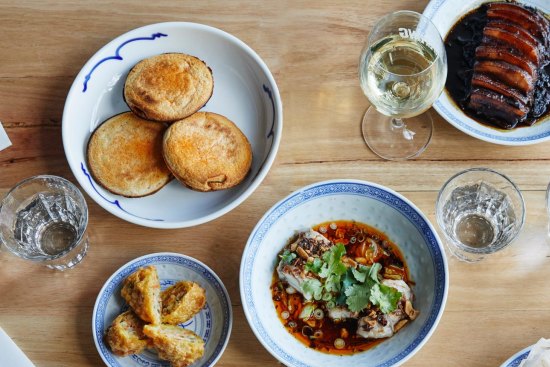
x=213, y=323
x=444, y=14
x=348, y=200
x=516, y=359
x=244, y=91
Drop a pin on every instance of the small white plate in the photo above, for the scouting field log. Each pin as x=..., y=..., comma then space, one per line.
x=244, y=91
x=517, y=358
x=213, y=323
x=444, y=14
x=364, y=202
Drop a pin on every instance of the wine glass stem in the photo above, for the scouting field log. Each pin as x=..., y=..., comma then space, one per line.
x=397, y=123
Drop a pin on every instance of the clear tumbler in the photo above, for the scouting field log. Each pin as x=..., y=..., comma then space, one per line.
x=44, y=219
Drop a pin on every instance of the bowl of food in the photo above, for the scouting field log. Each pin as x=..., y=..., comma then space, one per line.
x=498, y=80
x=162, y=309
x=172, y=125
x=343, y=272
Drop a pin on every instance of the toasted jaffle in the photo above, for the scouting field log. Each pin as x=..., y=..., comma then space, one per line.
x=142, y=292
x=182, y=301
x=125, y=156
x=179, y=346
x=168, y=87
x=207, y=152
x=125, y=335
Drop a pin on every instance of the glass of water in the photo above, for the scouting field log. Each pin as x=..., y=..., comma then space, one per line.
x=480, y=212
x=44, y=219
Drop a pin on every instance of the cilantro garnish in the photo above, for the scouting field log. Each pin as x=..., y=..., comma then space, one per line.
x=384, y=297
x=338, y=284
x=315, y=266
x=333, y=261
x=369, y=289
x=358, y=297
x=287, y=256
x=312, y=288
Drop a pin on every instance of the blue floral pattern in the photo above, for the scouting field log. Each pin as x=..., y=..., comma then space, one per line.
x=334, y=188
x=114, y=286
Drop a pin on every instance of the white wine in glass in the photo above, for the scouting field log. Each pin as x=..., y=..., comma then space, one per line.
x=402, y=70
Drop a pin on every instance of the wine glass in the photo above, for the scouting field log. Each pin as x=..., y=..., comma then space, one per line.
x=402, y=70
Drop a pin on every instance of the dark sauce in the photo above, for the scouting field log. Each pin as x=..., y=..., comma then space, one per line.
x=460, y=45
x=387, y=254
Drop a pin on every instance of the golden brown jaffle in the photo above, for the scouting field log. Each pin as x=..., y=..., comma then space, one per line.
x=168, y=87
x=207, y=152
x=125, y=156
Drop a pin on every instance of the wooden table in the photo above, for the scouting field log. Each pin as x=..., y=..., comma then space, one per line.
x=494, y=309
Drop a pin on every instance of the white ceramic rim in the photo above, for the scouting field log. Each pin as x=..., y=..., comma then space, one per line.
x=517, y=358
x=352, y=181
x=175, y=254
x=277, y=131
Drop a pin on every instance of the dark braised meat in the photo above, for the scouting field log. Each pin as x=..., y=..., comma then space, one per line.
x=500, y=109
x=508, y=63
x=506, y=73
x=528, y=19
x=502, y=54
x=507, y=40
x=484, y=82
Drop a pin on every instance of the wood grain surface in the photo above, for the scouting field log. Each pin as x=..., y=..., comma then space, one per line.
x=494, y=309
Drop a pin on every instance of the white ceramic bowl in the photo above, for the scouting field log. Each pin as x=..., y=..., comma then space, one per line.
x=213, y=323
x=244, y=91
x=516, y=359
x=444, y=14
x=346, y=200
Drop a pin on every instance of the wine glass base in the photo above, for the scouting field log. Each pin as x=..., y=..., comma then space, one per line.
x=395, y=139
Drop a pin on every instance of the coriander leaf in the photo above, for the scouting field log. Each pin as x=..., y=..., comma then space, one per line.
x=341, y=299
x=357, y=297
x=287, y=257
x=349, y=279
x=384, y=297
x=315, y=266
x=332, y=283
x=312, y=288
x=373, y=272
x=360, y=273
x=333, y=263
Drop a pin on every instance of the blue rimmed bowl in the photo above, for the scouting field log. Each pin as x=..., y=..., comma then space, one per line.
x=516, y=359
x=213, y=323
x=244, y=91
x=444, y=14
x=355, y=200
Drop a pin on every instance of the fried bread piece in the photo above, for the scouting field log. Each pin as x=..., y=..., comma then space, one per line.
x=168, y=87
x=142, y=292
x=125, y=156
x=182, y=301
x=179, y=346
x=207, y=152
x=125, y=335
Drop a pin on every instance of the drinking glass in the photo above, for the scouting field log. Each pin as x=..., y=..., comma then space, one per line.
x=480, y=212
x=402, y=70
x=44, y=219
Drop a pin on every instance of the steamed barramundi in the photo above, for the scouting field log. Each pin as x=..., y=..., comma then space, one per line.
x=340, y=286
